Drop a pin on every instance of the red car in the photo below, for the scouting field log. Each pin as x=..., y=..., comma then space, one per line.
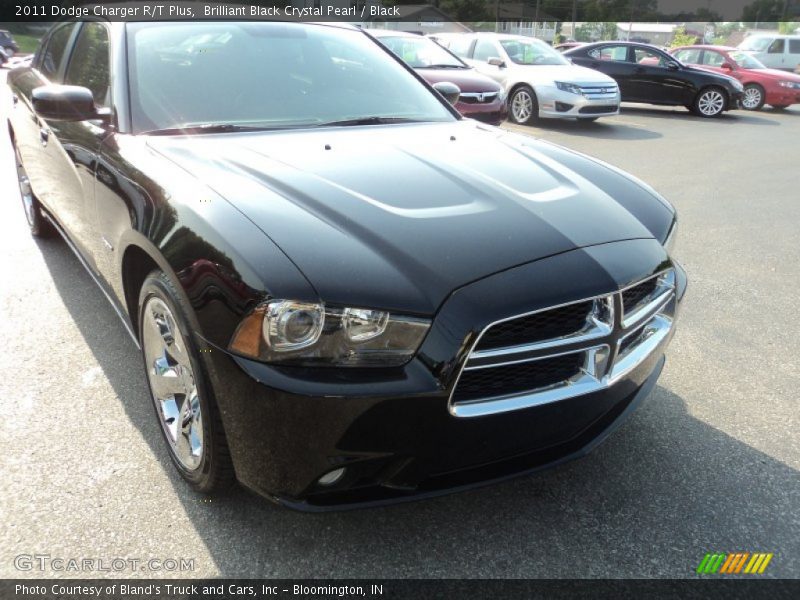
x=481, y=98
x=762, y=86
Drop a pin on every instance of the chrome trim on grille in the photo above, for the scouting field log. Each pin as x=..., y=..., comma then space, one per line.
x=595, y=328
x=665, y=288
x=605, y=360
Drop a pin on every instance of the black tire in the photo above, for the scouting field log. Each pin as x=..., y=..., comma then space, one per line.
x=758, y=96
x=38, y=224
x=519, y=95
x=214, y=472
x=710, y=102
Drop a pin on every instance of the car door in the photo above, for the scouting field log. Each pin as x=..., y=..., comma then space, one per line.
x=657, y=78
x=775, y=56
x=714, y=61
x=44, y=161
x=611, y=59
x=792, y=54
x=79, y=141
x=484, y=50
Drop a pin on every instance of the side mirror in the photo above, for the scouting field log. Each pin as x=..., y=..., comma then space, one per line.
x=496, y=62
x=66, y=103
x=450, y=91
x=673, y=66
x=727, y=66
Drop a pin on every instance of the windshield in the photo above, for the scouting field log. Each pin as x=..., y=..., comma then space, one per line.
x=271, y=75
x=532, y=52
x=746, y=61
x=421, y=53
x=756, y=44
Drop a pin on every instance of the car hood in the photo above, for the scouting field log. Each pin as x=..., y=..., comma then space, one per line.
x=399, y=216
x=466, y=79
x=546, y=74
x=776, y=74
x=712, y=74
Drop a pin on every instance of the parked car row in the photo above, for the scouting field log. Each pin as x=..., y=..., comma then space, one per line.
x=762, y=85
x=544, y=82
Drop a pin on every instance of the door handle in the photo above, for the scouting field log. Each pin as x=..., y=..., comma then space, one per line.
x=44, y=136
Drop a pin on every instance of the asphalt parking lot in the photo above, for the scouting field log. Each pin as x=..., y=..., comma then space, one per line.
x=709, y=463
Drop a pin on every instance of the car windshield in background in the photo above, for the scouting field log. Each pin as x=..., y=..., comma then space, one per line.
x=756, y=44
x=745, y=61
x=270, y=75
x=421, y=53
x=533, y=52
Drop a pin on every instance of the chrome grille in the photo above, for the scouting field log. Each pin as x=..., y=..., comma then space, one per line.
x=478, y=98
x=564, y=351
x=558, y=322
x=599, y=92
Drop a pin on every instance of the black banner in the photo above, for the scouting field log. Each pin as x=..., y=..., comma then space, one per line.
x=416, y=589
x=467, y=11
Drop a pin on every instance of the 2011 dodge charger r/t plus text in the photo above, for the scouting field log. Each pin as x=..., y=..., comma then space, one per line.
x=344, y=293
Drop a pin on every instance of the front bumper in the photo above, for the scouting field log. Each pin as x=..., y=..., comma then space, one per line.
x=558, y=104
x=783, y=97
x=393, y=429
x=492, y=113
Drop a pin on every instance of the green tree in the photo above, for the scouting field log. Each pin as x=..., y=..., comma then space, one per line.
x=681, y=38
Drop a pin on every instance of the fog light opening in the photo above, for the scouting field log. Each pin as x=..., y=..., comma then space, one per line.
x=331, y=477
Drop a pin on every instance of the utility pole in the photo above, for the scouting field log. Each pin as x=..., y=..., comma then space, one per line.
x=574, y=16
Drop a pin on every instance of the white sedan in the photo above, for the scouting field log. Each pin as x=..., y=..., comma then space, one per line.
x=539, y=81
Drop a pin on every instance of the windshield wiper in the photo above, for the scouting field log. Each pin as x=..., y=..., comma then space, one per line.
x=206, y=128
x=368, y=121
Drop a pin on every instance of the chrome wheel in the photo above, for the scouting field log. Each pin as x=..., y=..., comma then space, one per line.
x=753, y=98
x=711, y=103
x=172, y=383
x=522, y=106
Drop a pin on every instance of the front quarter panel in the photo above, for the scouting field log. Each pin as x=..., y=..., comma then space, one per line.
x=219, y=258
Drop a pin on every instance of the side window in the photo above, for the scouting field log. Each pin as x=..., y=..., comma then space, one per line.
x=54, y=52
x=484, y=50
x=648, y=58
x=777, y=46
x=794, y=46
x=460, y=46
x=615, y=53
x=690, y=56
x=89, y=63
x=713, y=59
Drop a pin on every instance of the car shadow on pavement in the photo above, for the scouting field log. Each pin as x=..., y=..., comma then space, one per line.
x=725, y=119
x=604, y=129
x=660, y=493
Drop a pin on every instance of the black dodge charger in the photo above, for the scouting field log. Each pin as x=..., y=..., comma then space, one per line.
x=344, y=293
x=649, y=75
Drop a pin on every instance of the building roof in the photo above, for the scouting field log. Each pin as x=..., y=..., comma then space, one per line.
x=647, y=27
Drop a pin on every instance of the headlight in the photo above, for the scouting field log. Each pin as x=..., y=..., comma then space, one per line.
x=672, y=238
x=569, y=87
x=501, y=95
x=737, y=85
x=789, y=84
x=303, y=333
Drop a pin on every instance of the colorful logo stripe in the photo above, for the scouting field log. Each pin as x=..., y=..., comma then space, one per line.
x=734, y=563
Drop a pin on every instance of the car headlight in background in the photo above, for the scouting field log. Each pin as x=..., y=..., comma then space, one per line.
x=569, y=87
x=304, y=333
